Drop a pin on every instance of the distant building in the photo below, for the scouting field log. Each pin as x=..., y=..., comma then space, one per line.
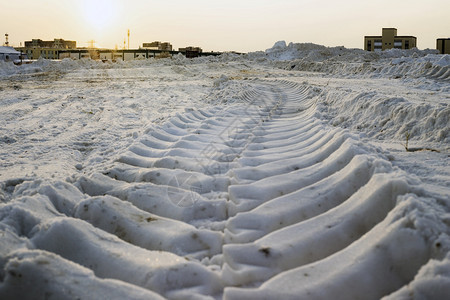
x=56, y=43
x=389, y=40
x=191, y=52
x=443, y=45
x=62, y=49
x=37, y=48
x=165, y=46
x=36, y=53
x=190, y=48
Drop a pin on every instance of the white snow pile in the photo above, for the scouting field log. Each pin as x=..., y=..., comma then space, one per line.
x=68, y=64
x=282, y=52
x=392, y=117
x=301, y=172
x=348, y=62
x=7, y=68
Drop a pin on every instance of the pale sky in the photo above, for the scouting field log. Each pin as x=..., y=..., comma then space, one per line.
x=231, y=25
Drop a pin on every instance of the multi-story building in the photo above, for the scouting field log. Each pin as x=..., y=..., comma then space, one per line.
x=443, y=45
x=37, y=48
x=56, y=43
x=389, y=40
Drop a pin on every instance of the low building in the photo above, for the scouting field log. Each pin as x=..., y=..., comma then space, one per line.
x=190, y=48
x=191, y=52
x=79, y=53
x=163, y=46
x=443, y=45
x=134, y=54
x=36, y=53
x=389, y=40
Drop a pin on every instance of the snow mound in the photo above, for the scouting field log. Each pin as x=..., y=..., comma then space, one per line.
x=314, y=52
x=310, y=57
x=383, y=117
x=7, y=68
x=281, y=51
x=395, y=63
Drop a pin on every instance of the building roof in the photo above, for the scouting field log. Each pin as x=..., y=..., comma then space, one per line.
x=397, y=36
x=8, y=50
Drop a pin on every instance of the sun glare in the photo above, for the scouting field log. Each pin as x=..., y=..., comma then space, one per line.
x=99, y=14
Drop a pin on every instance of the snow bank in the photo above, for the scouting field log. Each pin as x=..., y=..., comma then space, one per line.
x=394, y=63
x=67, y=64
x=386, y=117
x=283, y=52
x=293, y=56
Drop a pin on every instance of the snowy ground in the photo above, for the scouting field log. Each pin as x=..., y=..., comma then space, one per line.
x=275, y=175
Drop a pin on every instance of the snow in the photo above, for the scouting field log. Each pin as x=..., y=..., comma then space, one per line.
x=301, y=171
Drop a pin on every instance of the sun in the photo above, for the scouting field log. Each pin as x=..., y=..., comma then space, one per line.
x=99, y=14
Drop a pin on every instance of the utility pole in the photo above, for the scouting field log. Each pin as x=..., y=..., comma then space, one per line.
x=91, y=44
x=128, y=39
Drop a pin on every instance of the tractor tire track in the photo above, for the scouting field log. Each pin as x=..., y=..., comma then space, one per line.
x=258, y=200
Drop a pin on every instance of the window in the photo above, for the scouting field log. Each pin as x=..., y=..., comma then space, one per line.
x=378, y=45
x=406, y=44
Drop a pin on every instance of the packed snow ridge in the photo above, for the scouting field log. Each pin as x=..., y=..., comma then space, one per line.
x=299, y=172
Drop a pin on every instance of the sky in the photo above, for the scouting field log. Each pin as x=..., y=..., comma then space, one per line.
x=232, y=25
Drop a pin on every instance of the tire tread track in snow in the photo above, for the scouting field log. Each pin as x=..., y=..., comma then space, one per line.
x=259, y=200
